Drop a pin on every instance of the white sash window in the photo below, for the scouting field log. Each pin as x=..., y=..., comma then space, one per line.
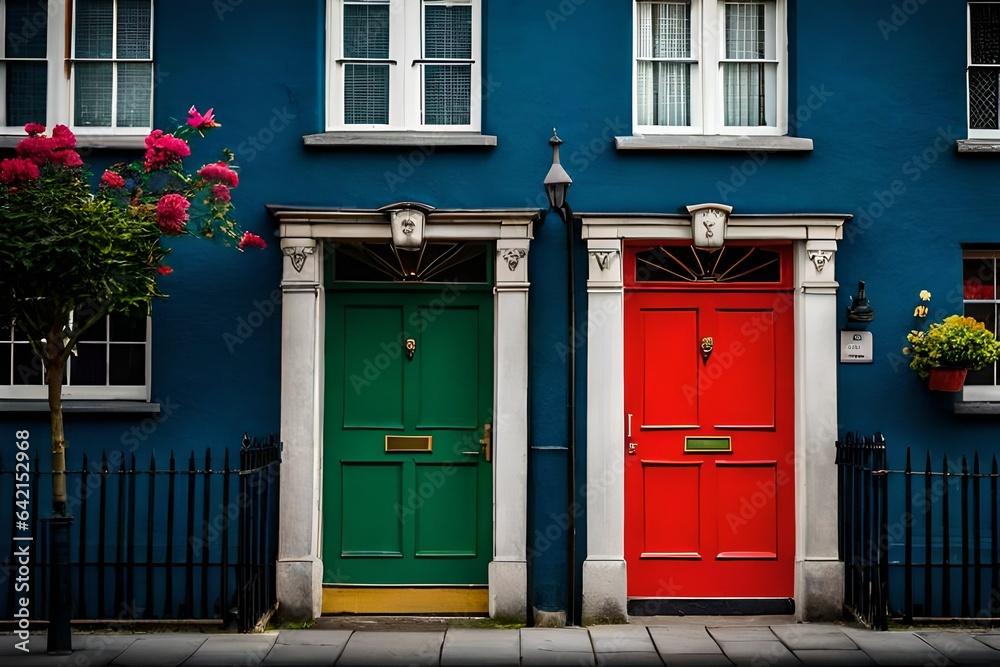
x=710, y=67
x=404, y=65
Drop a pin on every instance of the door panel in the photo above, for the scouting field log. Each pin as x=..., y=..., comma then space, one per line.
x=702, y=523
x=668, y=373
x=418, y=511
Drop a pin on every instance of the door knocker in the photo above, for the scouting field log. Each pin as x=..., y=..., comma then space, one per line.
x=411, y=347
x=706, y=347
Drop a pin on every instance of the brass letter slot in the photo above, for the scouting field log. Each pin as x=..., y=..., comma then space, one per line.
x=407, y=443
x=716, y=444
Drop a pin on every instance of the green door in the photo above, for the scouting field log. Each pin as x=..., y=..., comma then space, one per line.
x=414, y=509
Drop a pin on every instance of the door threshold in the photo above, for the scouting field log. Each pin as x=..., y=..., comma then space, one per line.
x=459, y=600
x=710, y=606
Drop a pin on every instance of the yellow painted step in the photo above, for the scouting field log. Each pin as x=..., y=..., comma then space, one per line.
x=405, y=600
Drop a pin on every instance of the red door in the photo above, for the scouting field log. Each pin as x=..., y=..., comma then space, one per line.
x=709, y=474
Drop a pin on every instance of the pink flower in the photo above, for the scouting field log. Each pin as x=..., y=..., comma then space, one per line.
x=171, y=213
x=164, y=270
x=112, y=180
x=57, y=149
x=221, y=193
x=251, y=240
x=164, y=149
x=34, y=129
x=18, y=169
x=221, y=172
x=199, y=121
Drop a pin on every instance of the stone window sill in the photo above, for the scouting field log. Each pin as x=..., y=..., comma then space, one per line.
x=979, y=145
x=85, y=141
x=103, y=407
x=977, y=407
x=678, y=142
x=402, y=139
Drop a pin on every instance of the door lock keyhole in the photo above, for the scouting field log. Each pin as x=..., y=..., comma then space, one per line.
x=411, y=348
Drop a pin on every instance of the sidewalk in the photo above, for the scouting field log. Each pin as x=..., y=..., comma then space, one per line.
x=647, y=641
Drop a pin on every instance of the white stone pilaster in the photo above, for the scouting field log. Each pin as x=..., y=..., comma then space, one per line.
x=604, y=574
x=508, y=571
x=299, y=569
x=819, y=574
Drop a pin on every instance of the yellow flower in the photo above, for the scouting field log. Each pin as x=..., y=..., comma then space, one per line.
x=925, y=295
x=920, y=311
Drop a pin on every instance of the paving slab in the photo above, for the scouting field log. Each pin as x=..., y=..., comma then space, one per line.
x=290, y=655
x=683, y=641
x=556, y=646
x=392, y=648
x=314, y=637
x=697, y=660
x=805, y=636
x=756, y=653
x=224, y=649
x=896, y=648
x=623, y=645
x=160, y=650
x=825, y=656
x=741, y=634
x=472, y=646
x=91, y=650
x=992, y=640
x=960, y=647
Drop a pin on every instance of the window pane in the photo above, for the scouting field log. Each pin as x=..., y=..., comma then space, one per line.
x=97, y=332
x=366, y=31
x=27, y=366
x=984, y=32
x=746, y=90
x=135, y=91
x=447, y=31
x=26, y=93
x=366, y=94
x=89, y=366
x=745, y=32
x=979, y=277
x=5, y=363
x=27, y=29
x=664, y=94
x=983, y=94
x=134, y=28
x=128, y=329
x=128, y=365
x=984, y=312
x=447, y=91
x=94, y=28
x=92, y=94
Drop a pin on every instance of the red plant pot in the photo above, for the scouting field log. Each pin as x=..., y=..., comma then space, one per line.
x=946, y=379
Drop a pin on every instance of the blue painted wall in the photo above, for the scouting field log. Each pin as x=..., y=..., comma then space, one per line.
x=880, y=90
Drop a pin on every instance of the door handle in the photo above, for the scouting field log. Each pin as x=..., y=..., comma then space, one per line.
x=411, y=348
x=631, y=448
x=706, y=347
x=487, y=441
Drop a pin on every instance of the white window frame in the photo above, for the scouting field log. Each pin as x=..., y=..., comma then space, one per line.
x=975, y=133
x=405, y=78
x=60, y=98
x=707, y=94
x=983, y=392
x=87, y=392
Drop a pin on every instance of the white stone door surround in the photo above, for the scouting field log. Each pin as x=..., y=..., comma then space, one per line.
x=818, y=571
x=303, y=234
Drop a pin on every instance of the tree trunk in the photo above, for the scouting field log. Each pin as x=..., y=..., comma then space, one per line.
x=56, y=369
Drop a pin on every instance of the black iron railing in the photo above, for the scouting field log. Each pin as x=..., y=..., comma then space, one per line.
x=186, y=540
x=918, y=543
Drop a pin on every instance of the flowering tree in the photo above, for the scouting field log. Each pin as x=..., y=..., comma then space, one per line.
x=70, y=256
